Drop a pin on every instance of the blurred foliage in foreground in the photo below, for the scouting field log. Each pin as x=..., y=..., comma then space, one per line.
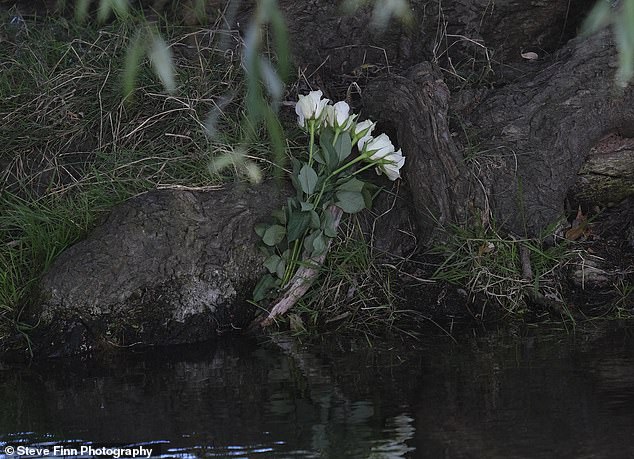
x=266, y=62
x=620, y=15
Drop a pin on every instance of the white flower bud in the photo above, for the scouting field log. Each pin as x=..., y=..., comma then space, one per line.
x=310, y=107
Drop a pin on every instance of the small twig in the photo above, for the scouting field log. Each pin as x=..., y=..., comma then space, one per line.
x=525, y=258
x=302, y=279
x=537, y=296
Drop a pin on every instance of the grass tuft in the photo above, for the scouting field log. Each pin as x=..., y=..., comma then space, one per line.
x=74, y=145
x=354, y=294
x=493, y=270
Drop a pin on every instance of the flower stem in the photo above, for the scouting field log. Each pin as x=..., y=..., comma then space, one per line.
x=364, y=168
x=311, y=128
x=334, y=140
x=345, y=166
x=290, y=267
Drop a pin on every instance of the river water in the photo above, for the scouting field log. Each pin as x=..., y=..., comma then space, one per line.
x=557, y=395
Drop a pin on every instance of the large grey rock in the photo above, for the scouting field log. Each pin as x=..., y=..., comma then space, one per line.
x=166, y=267
x=175, y=266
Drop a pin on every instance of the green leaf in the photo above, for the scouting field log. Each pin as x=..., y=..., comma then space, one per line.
x=368, y=197
x=280, y=215
x=308, y=241
x=281, y=268
x=328, y=225
x=350, y=202
x=297, y=224
x=328, y=150
x=260, y=229
x=274, y=235
x=318, y=156
x=292, y=204
x=307, y=179
x=319, y=244
x=353, y=184
x=296, y=165
x=271, y=263
x=326, y=136
x=343, y=146
x=305, y=206
x=314, y=220
x=263, y=287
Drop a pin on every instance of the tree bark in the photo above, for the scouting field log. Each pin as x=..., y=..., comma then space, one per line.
x=417, y=106
x=607, y=177
x=464, y=37
x=533, y=136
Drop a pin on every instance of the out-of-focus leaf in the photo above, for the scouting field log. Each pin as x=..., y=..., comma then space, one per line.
x=281, y=41
x=163, y=62
x=384, y=10
x=81, y=10
x=277, y=138
x=133, y=57
x=120, y=7
x=216, y=113
x=624, y=30
x=272, y=82
x=253, y=172
x=225, y=160
x=259, y=72
x=350, y=6
x=599, y=17
x=200, y=11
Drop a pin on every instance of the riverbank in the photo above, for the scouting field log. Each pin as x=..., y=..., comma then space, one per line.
x=75, y=148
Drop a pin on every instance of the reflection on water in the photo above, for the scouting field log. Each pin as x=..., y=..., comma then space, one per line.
x=481, y=398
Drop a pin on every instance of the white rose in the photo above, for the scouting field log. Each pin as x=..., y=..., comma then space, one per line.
x=391, y=165
x=376, y=148
x=310, y=107
x=338, y=116
x=362, y=130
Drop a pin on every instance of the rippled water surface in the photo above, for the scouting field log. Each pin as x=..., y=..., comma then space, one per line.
x=531, y=397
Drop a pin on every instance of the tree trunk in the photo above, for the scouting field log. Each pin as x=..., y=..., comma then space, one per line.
x=533, y=136
x=417, y=106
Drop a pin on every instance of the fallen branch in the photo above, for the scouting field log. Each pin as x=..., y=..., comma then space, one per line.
x=301, y=281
